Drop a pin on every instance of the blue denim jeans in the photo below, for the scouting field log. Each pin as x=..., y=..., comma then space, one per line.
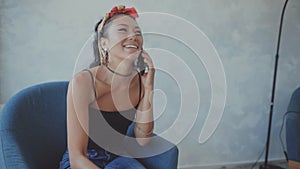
x=107, y=160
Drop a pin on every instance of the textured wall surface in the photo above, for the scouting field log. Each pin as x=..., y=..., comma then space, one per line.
x=41, y=40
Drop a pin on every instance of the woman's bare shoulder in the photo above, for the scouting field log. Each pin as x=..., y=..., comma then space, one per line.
x=81, y=84
x=91, y=79
x=81, y=78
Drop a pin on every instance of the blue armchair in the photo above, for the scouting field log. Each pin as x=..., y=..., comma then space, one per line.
x=33, y=127
x=33, y=132
x=293, y=129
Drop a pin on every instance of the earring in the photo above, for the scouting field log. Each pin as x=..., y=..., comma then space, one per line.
x=104, y=56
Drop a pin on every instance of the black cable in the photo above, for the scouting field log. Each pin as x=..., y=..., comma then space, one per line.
x=280, y=135
x=259, y=157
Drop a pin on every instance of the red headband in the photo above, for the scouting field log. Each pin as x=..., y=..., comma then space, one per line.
x=121, y=9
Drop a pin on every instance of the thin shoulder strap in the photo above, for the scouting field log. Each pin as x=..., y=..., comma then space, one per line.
x=93, y=82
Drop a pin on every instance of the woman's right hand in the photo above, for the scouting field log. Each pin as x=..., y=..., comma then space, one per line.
x=148, y=77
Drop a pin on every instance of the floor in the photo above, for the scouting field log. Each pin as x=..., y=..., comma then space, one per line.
x=280, y=163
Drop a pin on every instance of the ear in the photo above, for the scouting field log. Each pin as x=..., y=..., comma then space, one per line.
x=103, y=43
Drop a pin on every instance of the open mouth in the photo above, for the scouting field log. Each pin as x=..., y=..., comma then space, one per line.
x=131, y=46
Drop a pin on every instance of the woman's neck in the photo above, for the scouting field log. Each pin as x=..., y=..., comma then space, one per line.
x=121, y=69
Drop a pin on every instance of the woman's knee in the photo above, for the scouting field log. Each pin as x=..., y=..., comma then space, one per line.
x=124, y=162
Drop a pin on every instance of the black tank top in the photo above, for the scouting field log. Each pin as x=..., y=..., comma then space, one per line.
x=119, y=121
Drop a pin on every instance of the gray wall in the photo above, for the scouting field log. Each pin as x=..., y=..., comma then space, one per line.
x=41, y=40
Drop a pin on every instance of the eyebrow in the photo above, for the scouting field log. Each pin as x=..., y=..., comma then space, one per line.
x=122, y=24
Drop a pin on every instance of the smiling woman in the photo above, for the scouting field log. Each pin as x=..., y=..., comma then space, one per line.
x=104, y=100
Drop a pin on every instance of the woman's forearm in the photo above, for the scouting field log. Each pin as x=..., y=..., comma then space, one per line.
x=144, y=118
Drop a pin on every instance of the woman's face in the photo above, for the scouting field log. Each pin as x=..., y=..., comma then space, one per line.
x=124, y=38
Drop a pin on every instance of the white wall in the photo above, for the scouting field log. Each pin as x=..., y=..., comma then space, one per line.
x=40, y=41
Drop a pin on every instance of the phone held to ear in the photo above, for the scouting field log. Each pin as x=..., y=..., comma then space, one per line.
x=140, y=65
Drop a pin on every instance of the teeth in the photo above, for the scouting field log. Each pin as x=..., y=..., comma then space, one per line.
x=131, y=46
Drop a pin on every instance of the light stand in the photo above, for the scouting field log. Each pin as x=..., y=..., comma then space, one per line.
x=266, y=165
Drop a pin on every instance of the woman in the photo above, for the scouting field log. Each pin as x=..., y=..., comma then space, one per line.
x=113, y=88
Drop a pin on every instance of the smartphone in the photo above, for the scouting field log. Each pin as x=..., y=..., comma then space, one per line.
x=140, y=65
